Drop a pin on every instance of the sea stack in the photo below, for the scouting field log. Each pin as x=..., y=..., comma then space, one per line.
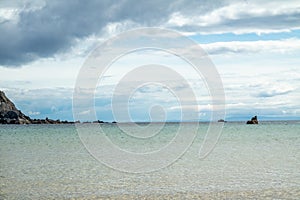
x=253, y=120
x=222, y=120
x=9, y=114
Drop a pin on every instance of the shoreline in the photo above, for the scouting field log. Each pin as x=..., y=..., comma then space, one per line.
x=270, y=193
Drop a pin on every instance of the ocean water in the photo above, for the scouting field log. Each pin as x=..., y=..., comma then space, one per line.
x=249, y=161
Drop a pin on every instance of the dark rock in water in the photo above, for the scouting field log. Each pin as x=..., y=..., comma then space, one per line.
x=222, y=120
x=98, y=121
x=253, y=120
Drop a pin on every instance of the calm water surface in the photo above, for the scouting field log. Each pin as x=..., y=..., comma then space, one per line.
x=50, y=162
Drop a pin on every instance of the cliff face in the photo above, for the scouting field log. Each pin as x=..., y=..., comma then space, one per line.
x=9, y=114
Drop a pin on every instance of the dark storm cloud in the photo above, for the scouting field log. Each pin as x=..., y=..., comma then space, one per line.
x=43, y=32
x=52, y=28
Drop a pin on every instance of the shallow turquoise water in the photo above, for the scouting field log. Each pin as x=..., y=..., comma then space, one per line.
x=49, y=161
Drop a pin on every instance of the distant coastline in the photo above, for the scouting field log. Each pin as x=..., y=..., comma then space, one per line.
x=9, y=114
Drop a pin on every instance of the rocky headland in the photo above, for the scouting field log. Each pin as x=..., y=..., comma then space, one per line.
x=9, y=114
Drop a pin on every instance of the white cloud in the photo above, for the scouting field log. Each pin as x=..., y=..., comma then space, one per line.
x=197, y=108
x=8, y=14
x=241, y=17
x=277, y=46
x=85, y=112
x=32, y=113
x=271, y=90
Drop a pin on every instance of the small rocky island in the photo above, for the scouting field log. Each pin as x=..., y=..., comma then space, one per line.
x=253, y=120
x=9, y=114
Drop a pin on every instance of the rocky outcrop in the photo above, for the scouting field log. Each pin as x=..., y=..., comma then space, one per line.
x=9, y=114
x=253, y=120
x=49, y=121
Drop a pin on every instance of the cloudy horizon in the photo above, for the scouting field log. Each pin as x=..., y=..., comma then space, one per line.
x=255, y=46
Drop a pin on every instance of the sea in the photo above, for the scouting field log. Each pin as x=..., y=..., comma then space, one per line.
x=248, y=162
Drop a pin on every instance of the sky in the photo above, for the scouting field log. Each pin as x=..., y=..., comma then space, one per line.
x=255, y=46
